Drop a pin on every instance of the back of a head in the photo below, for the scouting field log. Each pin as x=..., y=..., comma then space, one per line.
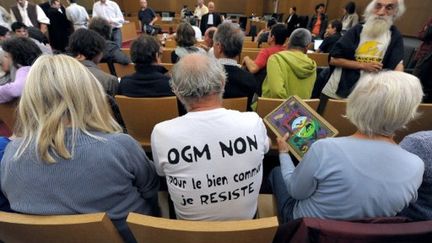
x=185, y=35
x=385, y=102
x=101, y=26
x=271, y=22
x=300, y=39
x=196, y=76
x=37, y=34
x=230, y=37
x=350, y=7
x=22, y=50
x=18, y=25
x=144, y=50
x=336, y=24
x=60, y=93
x=87, y=43
x=3, y=31
x=280, y=33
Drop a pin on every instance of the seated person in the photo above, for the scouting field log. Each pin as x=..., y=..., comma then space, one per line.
x=20, y=52
x=150, y=79
x=356, y=177
x=420, y=144
x=87, y=47
x=276, y=40
x=21, y=30
x=112, y=52
x=211, y=157
x=4, y=203
x=64, y=121
x=264, y=34
x=331, y=36
x=185, y=39
x=228, y=43
x=291, y=72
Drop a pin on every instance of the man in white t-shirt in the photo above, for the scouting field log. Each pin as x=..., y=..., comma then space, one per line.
x=372, y=47
x=77, y=15
x=211, y=157
x=110, y=11
x=29, y=14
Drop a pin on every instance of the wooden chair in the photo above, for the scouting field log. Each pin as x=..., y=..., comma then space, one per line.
x=142, y=114
x=85, y=228
x=267, y=105
x=321, y=59
x=126, y=51
x=168, y=66
x=170, y=44
x=266, y=206
x=239, y=104
x=104, y=67
x=250, y=44
x=129, y=32
x=123, y=70
x=166, y=55
x=422, y=123
x=252, y=53
x=160, y=230
x=334, y=113
x=8, y=113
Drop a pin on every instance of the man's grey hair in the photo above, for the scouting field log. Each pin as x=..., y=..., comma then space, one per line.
x=383, y=103
x=399, y=11
x=196, y=76
x=231, y=37
x=300, y=38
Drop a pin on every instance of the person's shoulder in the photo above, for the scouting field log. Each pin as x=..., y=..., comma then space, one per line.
x=416, y=139
x=119, y=140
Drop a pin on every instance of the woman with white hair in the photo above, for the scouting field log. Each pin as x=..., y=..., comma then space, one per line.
x=70, y=156
x=363, y=175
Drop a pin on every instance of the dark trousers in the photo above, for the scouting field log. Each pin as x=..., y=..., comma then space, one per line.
x=116, y=36
x=285, y=203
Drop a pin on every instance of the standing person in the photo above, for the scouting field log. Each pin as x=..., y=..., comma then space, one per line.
x=60, y=28
x=350, y=18
x=423, y=59
x=292, y=20
x=77, y=15
x=318, y=23
x=110, y=11
x=200, y=9
x=147, y=17
x=30, y=14
x=64, y=119
x=331, y=36
x=228, y=178
x=210, y=19
x=366, y=48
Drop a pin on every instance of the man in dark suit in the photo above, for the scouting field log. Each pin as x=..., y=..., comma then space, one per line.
x=210, y=19
x=292, y=20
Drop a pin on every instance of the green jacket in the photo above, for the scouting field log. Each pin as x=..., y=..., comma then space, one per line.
x=289, y=73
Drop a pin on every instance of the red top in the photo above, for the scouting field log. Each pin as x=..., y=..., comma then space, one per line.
x=264, y=54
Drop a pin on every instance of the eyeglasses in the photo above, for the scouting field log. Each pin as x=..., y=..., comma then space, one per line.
x=388, y=7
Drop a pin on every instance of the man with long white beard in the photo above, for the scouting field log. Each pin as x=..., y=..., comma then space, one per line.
x=371, y=47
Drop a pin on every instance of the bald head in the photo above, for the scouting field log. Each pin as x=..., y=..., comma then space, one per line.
x=197, y=76
x=211, y=7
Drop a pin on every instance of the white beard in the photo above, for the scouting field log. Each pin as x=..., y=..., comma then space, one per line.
x=376, y=26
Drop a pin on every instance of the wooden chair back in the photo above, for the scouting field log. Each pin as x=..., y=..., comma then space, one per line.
x=267, y=105
x=170, y=44
x=8, y=113
x=126, y=51
x=422, y=123
x=140, y=115
x=104, y=67
x=166, y=55
x=129, y=32
x=85, y=228
x=321, y=59
x=252, y=53
x=123, y=70
x=239, y=104
x=168, y=66
x=250, y=44
x=334, y=113
x=160, y=230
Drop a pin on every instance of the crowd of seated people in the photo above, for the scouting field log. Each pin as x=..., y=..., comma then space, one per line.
x=70, y=155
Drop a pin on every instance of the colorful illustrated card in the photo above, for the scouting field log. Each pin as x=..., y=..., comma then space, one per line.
x=304, y=125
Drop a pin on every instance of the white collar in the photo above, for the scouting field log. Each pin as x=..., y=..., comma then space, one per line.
x=25, y=5
x=228, y=62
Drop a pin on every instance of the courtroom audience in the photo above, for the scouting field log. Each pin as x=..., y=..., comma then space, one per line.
x=21, y=30
x=356, y=177
x=150, y=78
x=185, y=39
x=350, y=18
x=67, y=136
x=205, y=135
x=331, y=36
x=291, y=72
x=318, y=23
x=112, y=52
x=20, y=53
x=264, y=34
x=228, y=43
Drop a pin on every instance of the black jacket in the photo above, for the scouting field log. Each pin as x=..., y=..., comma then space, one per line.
x=217, y=20
x=240, y=83
x=292, y=24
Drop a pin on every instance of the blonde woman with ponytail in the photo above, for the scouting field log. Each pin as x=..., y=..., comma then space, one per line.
x=70, y=156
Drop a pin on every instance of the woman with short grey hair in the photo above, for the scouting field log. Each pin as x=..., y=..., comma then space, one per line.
x=355, y=177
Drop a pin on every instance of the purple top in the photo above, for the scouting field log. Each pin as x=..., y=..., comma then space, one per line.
x=14, y=89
